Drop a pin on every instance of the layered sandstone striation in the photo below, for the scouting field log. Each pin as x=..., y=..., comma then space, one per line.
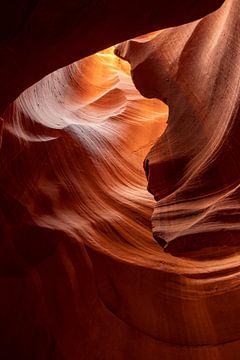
x=193, y=168
x=81, y=275
x=39, y=36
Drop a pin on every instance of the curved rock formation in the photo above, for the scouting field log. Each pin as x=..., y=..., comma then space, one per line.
x=193, y=167
x=71, y=177
x=81, y=276
x=38, y=36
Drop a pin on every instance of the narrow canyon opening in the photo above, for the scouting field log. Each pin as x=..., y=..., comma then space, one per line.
x=89, y=129
x=102, y=257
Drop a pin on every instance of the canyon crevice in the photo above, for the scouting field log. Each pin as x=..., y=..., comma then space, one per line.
x=92, y=266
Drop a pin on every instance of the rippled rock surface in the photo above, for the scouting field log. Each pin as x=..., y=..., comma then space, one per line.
x=81, y=275
x=193, y=169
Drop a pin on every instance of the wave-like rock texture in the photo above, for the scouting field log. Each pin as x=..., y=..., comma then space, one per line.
x=39, y=36
x=193, y=169
x=81, y=276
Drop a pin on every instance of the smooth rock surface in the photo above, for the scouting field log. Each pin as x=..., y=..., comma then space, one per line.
x=193, y=169
x=81, y=276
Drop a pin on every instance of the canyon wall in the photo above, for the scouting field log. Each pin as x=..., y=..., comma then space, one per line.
x=81, y=275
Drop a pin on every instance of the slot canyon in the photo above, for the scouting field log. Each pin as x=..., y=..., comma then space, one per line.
x=120, y=180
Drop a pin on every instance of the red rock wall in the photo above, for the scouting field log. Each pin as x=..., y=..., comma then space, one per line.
x=81, y=276
x=193, y=169
x=38, y=36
